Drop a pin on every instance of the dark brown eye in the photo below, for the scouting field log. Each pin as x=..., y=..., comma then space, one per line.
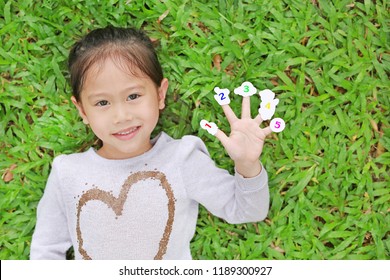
x=133, y=96
x=102, y=103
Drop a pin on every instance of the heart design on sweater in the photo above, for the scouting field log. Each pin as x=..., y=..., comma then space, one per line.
x=116, y=204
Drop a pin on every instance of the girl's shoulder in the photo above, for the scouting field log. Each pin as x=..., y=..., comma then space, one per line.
x=186, y=144
x=184, y=151
x=73, y=160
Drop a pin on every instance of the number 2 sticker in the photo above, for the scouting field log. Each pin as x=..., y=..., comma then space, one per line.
x=222, y=96
x=277, y=125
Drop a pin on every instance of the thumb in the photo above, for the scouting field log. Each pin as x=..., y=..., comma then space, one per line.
x=221, y=136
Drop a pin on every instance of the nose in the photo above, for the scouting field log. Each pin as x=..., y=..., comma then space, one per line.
x=121, y=113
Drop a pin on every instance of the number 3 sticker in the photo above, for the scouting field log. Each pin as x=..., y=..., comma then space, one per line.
x=277, y=125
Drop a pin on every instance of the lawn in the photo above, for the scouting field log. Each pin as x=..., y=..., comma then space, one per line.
x=327, y=61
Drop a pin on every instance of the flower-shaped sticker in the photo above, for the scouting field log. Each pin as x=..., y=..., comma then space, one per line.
x=268, y=104
x=209, y=126
x=246, y=89
x=222, y=95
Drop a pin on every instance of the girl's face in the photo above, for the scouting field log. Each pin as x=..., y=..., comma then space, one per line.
x=121, y=109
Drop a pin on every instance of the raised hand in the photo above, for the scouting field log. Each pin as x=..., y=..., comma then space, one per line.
x=246, y=140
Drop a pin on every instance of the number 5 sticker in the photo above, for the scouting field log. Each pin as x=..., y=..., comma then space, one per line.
x=277, y=125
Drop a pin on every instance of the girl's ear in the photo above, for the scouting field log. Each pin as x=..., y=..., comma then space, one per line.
x=162, y=92
x=79, y=107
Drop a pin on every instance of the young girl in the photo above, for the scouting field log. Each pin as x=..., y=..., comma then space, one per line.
x=136, y=197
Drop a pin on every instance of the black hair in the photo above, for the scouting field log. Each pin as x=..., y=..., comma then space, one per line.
x=129, y=48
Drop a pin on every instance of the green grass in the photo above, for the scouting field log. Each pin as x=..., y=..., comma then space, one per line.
x=328, y=62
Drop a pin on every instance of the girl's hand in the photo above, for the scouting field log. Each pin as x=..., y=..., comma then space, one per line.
x=246, y=140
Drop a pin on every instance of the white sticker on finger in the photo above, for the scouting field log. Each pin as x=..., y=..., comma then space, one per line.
x=246, y=89
x=268, y=104
x=209, y=126
x=277, y=125
x=222, y=96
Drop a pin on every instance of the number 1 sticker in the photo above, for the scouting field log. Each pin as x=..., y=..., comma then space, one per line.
x=209, y=126
x=277, y=125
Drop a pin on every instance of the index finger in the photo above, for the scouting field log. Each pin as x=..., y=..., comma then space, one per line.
x=230, y=115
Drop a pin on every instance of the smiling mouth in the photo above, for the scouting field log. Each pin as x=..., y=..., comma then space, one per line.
x=128, y=133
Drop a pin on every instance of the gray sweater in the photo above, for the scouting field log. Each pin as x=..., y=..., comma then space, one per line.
x=140, y=208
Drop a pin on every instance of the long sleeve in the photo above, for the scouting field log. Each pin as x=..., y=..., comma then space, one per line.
x=51, y=237
x=140, y=208
x=232, y=198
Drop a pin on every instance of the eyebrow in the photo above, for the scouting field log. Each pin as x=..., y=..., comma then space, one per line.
x=105, y=94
